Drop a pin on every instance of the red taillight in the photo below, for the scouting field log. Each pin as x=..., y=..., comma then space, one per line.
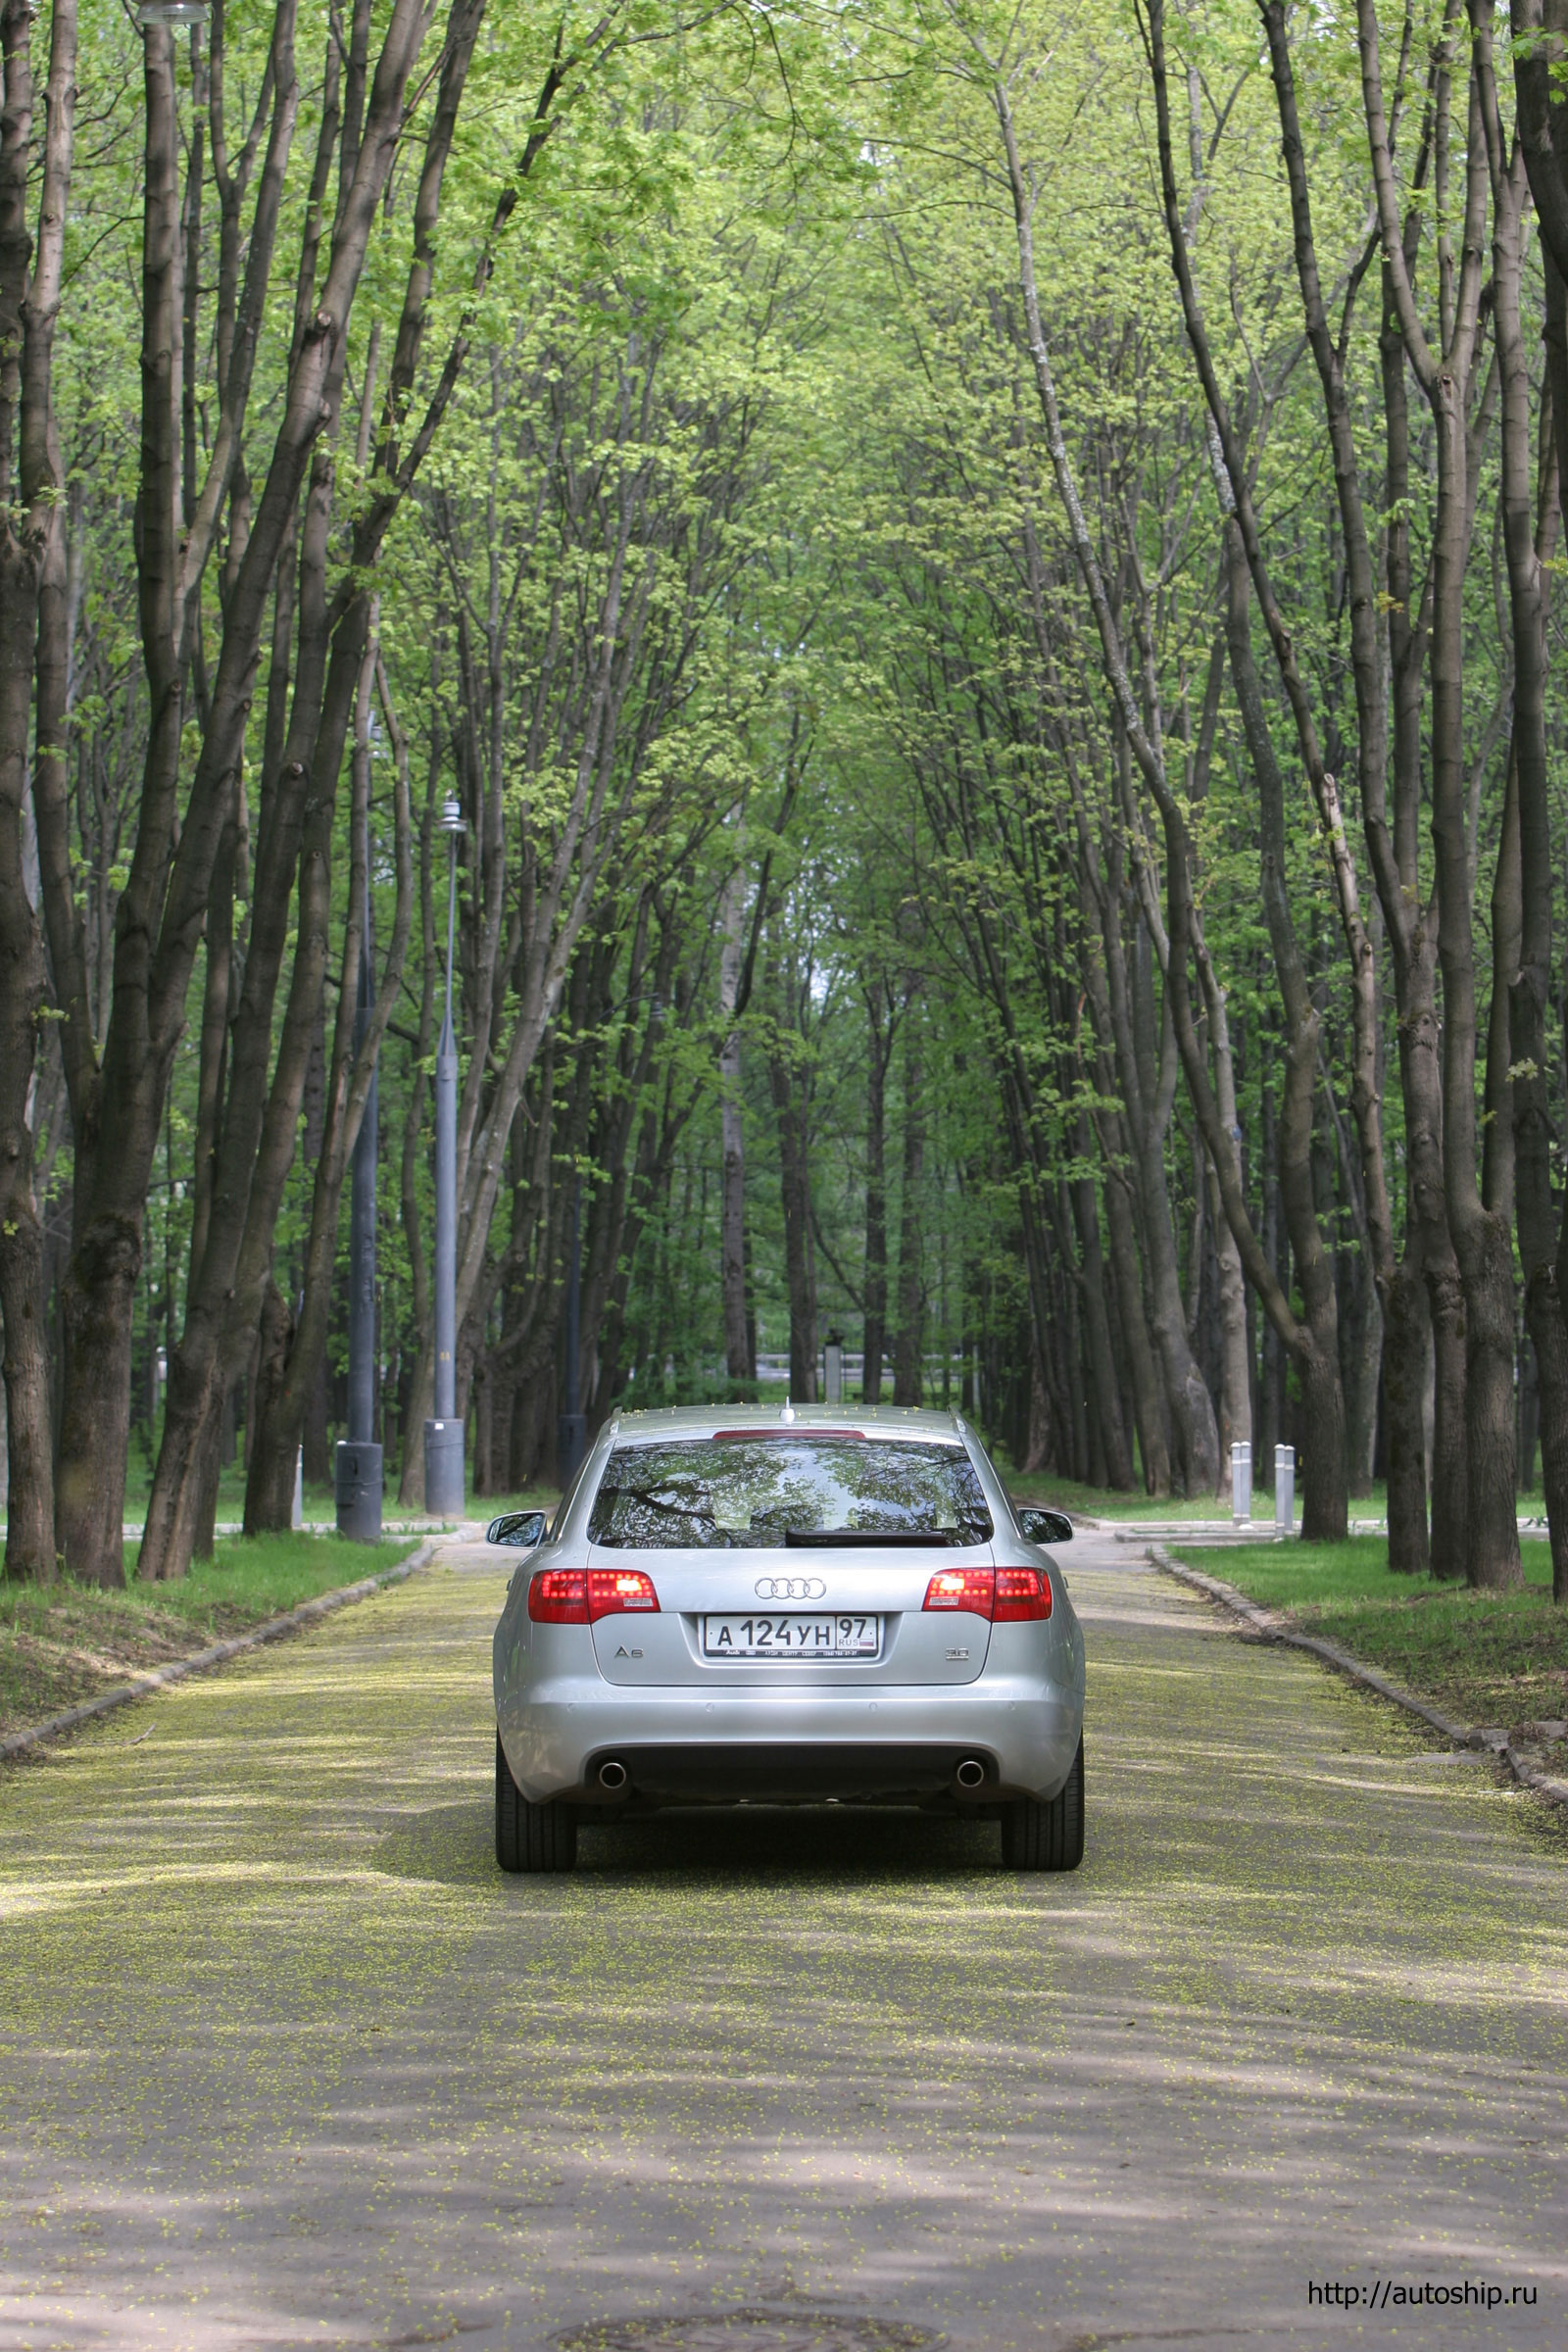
x=614, y=1590
x=1008, y=1595
x=1021, y=1592
x=971, y=1588
x=582, y=1596
x=558, y=1597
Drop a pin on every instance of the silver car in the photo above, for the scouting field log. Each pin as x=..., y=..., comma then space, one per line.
x=807, y=1606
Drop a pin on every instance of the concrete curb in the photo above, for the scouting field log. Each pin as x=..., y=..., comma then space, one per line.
x=15, y=1743
x=1266, y=1624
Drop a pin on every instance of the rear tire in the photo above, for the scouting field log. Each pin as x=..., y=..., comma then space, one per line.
x=1049, y=1837
x=531, y=1837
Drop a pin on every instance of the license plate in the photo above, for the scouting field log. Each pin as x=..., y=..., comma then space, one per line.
x=791, y=1637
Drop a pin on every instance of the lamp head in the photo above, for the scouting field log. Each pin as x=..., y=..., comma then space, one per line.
x=190, y=13
x=451, y=818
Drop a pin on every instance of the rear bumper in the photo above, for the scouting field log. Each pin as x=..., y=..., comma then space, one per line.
x=679, y=1745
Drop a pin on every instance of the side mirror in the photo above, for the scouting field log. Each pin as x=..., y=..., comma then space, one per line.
x=1045, y=1526
x=520, y=1529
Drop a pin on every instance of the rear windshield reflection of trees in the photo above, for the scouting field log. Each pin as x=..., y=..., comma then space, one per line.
x=728, y=1493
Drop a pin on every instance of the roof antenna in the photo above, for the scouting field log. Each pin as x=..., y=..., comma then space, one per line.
x=788, y=1414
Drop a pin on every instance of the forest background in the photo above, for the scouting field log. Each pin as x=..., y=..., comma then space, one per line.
x=981, y=579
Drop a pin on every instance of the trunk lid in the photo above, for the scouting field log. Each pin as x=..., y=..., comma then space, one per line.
x=804, y=1582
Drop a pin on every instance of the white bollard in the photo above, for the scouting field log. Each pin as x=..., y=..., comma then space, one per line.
x=1285, y=1489
x=1240, y=1484
x=297, y=1518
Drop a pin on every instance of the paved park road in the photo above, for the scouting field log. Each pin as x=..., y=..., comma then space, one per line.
x=284, y=2061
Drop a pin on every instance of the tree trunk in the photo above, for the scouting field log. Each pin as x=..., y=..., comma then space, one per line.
x=1542, y=139
x=1405, y=1363
x=1530, y=519
x=1322, y=1436
x=1529, y=1409
x=878, y=1048
x=259, y=1131
x=796, y=1185
x=1482, y=1241
x=28, y=1436
x=1033, y=1455
x=1097, y=1317
x=1542, y=1250
x=117, y=1125
x=1125, y=1174
x=31, y=541
x=1481, y=1244
x=484, y=1425
x=30, y=1525
x=1235, y=1373
x=1363, y=1388
x=909, y=1336
x=1410, y=924
x=270, y=1481
x=1068, y=1374
x=208, y=1471
x=1149, y=1408
x=1148, y=1075
x=790, y=1087
x=1325, y=1499
x=732, y=1220
x=218, y=1011
x=352, y=1074
x=1194, y=1435
x=200, y=1367
x=1314, y=1344
x=1393, y=856
x=1268, y=1420
x=533, y=1402
x=116, y=1110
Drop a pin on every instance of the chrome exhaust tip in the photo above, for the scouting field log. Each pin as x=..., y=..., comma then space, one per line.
x=612, y=1774
x=971, y=1773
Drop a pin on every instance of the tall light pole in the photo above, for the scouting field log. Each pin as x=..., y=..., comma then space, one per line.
x=443, y=1432
x=359, y=1458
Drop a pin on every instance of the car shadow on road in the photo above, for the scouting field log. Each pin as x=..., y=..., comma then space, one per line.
x=809, y=1842
x=452, y=1844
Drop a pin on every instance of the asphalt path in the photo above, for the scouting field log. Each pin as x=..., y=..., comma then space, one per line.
x=284, y=2061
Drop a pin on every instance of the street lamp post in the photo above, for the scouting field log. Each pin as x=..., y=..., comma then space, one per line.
x=443, y=1432
x=359, y=1458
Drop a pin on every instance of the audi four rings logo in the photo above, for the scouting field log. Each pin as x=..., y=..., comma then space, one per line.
x=790, y=1587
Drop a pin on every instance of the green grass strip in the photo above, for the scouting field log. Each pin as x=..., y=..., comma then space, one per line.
x=64, y=1642
x=1491, y=1659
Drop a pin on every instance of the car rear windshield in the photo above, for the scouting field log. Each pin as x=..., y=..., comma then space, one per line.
x=766, y=1493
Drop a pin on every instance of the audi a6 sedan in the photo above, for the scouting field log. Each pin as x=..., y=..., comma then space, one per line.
x=744, y=1605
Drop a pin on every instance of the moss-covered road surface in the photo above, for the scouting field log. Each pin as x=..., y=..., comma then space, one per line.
x=284, y=2061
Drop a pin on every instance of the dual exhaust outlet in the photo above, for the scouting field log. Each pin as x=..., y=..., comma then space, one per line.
x=614, y=1777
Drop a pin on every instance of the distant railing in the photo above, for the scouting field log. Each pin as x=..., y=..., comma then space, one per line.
x=775, y=1365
